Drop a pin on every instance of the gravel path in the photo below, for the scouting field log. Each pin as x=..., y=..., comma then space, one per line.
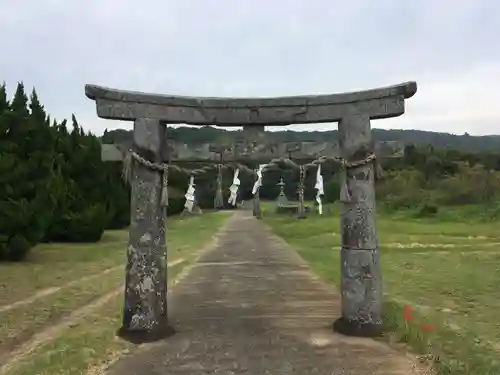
x=251, y=306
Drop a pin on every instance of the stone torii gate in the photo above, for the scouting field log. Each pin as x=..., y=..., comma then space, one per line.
x=145, y=311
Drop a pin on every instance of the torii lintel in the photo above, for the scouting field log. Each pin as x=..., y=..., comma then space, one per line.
x=383, y=102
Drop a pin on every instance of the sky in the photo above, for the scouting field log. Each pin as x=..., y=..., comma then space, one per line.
x=260, y=48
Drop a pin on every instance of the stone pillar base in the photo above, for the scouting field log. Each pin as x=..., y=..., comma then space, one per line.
x=354, y=328
x=257, y=213
x=144, y=336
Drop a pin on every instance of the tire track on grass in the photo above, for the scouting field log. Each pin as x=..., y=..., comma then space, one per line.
x=52, y=290
x=43, y=337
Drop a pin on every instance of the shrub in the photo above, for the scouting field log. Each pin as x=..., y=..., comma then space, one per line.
x=82, y=226
x=332, y=191
x=427, y=211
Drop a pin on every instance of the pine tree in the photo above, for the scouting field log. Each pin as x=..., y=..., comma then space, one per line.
x=19, y=104
x=117, y=195
x=26, y=177
x=64, y=186
x=81, y=212
x=37, y=111
x=4, y=103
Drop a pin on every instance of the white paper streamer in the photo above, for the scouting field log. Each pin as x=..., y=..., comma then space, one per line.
x=190, y=195
x=319, y=187
x=233, y=189
x=258, y=183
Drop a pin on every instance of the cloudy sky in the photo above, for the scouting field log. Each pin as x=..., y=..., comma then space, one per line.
x=260, y=48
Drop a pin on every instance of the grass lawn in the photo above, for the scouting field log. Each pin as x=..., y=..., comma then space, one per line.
x=60, y=309
x=446, y=268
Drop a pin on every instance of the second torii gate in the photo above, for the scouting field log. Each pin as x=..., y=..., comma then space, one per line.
x=145, y=311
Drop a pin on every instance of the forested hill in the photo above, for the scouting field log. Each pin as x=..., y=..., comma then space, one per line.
x=208, y=134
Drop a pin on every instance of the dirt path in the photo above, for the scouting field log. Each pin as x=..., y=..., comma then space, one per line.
x=251, y=306
x=49, y=333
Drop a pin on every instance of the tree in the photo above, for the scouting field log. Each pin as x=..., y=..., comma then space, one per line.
x=26, y=177
x=19, y=103
x=81, y=212
x=332, y=190
x=4, y=103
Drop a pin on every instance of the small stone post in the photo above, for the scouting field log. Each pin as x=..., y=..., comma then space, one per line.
x=254, y=134
x=281, y=184
x=361, y=278
x=256, y=201
x=282, y=199
x=145, y=305
x=219, y=199
x=301, y=211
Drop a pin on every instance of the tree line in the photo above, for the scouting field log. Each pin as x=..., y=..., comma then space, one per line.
x=53, y=184
x=463, y=143
x=430, y=177
x=437, y=168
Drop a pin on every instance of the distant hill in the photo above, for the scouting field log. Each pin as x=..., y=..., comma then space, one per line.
x=208, y=134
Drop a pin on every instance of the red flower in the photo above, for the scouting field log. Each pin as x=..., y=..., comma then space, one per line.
x=428, y=327
x=407, y=313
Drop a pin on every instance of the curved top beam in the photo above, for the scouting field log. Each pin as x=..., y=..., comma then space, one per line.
x=130, y=105
x=407, y=90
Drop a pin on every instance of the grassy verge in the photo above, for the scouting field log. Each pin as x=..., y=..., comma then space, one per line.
x=89, y=343
x=50, y=265
x=83, y=348
x=19, y=324
x=450, y=280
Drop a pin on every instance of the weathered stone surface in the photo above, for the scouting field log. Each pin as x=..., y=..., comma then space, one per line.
x=147, y=136
x=282, y=199
x=256, y=200
x=361, y=279
x=301, y=212
x=129, y=105
x=262, y=152
x=256, y=206
x=219, y=199
x=145, y=310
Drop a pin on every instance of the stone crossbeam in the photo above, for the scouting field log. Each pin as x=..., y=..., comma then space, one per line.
x=377, y=103
x=306, y=151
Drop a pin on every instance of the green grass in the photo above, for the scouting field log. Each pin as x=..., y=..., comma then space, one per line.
x=50, y=265
x=82, y=349
x=89, y=342
x=446, y=269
